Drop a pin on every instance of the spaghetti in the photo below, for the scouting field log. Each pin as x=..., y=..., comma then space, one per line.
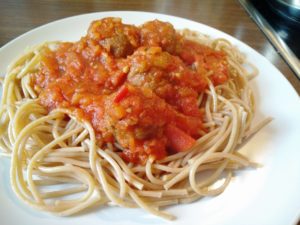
x=63, y=161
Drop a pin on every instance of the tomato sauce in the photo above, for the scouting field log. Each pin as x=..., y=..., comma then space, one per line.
x=137, y=86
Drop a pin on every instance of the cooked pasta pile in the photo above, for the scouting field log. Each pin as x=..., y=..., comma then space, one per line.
x=60, y=165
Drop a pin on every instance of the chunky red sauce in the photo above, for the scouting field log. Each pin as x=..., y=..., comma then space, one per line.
x=136, y=85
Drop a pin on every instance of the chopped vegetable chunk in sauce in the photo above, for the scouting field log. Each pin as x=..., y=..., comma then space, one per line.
x=138, y=86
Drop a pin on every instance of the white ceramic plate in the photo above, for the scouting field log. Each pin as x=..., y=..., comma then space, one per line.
x=269, y=195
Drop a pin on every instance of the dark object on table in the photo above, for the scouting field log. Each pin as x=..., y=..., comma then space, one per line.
x=280, y=22
x=289, y=9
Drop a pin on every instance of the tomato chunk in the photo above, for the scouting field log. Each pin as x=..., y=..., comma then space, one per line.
x=121, y=94
x=178, y=140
